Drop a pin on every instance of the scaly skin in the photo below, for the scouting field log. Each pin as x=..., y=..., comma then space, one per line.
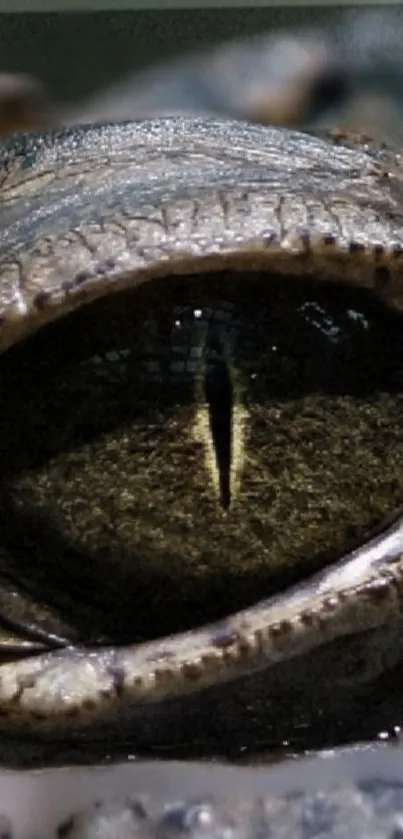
x=88, y=211
x=360, y=797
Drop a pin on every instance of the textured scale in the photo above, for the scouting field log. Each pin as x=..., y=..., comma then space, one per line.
x=148, y=198
x=87, y=211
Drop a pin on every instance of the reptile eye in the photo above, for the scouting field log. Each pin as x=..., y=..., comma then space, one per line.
x=184, y=448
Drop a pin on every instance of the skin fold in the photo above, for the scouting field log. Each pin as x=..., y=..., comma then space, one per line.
x=222, y=568
x=249, y=231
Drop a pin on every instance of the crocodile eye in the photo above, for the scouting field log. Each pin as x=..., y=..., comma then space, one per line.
x=184, y=448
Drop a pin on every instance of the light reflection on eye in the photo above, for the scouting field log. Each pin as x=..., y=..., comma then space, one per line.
x=317, y=316
x=209, y=442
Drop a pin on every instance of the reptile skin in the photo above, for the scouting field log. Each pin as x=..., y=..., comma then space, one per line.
x=191, y=196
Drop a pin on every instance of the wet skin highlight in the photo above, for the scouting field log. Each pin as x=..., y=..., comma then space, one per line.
x=258, y=378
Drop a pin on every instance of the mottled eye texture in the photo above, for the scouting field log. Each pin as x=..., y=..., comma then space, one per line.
x=177, y=451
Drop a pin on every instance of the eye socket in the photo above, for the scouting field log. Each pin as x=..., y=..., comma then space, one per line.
x=180, y=450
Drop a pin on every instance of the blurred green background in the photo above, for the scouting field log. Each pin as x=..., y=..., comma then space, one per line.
x=76, y=53
x=87, y=5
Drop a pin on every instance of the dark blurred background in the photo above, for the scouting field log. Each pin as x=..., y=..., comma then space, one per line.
x=76, y=53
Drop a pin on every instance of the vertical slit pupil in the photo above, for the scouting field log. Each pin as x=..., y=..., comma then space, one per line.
x=219, y=396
